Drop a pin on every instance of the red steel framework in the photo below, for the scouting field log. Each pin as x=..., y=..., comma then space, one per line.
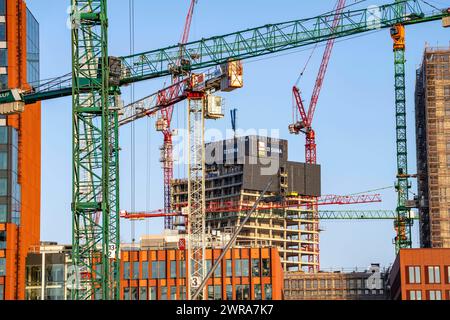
x=241, y=206
x=166, y=116
x=305, y=126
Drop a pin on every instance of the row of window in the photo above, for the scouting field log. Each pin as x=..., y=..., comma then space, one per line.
x=343, y=292
x=429, y=295
x=242, y=292
x=328, y=283
x=54, y=275
x=158, y=269
x=432, y=274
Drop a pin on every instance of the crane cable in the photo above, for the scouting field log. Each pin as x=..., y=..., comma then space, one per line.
x=132, y=128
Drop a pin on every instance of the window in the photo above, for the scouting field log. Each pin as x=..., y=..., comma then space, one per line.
x=237, y=268
x=434, y=275
x=135, y=274
x=134, y=293
x=163, y=293
x=229, y=269
x=229, y=292
x=434, y=295
x=268, y=291
x=218, y=271
x=158, y=269
x=173, y=269
x=242, y=292
x=142, y=293
x=215, y=292
x=2, y=240
x=2, y=7
x=2, y=31
x=3, y=134
x=256, y=268
x=3, y=213
x=144, y=269
x=2, y=290
x=54, y=274
x=258, y=292
x=162, y=269
x=266, y=267
x=3, y=187
x=413, y=274
x=3, y=57
x=3, y=160
x=245, y=268
x=182, y=269
x=182, y=295
x=3, y=81
x=126, y=293
x=153, y=294
x=173, y=292
x=126, y=270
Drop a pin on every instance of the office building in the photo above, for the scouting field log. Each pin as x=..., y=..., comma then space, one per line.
x=421, y=274
x=367, y=284
x=20, y=153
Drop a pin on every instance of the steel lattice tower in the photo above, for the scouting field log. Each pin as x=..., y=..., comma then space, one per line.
x=403, y=222
x=196, y=193
x=95, y=197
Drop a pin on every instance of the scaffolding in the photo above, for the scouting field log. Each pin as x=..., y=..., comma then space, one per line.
x=433, y=147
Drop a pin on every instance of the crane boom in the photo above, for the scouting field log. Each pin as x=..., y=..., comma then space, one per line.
x=324, y=65
x=246, y=44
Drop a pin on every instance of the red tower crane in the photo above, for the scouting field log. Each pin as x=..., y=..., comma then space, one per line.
x=164, y=122
x=305, y=126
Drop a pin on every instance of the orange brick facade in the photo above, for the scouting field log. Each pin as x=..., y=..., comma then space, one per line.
x=251, y=280
x=421, y=274
x=20, y=239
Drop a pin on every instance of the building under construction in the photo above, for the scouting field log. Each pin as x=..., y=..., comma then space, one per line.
x=433, y=147
x=237, y=171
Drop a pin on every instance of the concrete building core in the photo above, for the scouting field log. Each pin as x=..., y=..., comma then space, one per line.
x=433, y=147
x=237, y=171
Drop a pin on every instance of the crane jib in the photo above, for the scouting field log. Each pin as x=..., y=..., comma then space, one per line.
x=249, y=43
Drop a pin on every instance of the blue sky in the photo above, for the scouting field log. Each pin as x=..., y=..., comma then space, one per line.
x=354, y=120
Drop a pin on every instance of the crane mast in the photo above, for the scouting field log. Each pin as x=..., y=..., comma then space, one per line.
x=95, y=192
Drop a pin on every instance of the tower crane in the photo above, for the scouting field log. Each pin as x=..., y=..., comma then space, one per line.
x=163, y=124
x=305, y=126
x=94, y=84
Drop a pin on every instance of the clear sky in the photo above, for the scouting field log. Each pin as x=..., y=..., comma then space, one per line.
x=354, y=120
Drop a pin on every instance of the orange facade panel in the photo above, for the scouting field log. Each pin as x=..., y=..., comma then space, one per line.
x=421, y=274
x=28, y=125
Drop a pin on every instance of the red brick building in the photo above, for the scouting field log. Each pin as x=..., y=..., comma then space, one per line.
x=421, y=274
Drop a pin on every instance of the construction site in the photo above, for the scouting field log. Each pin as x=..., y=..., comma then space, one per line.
x=242, y=216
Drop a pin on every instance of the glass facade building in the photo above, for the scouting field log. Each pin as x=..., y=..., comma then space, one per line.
x=46, y=273
x=19, y=229
x=32, y=49
x=9, y=186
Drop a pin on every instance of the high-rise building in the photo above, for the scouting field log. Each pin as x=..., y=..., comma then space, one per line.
x=237, y=171
x=433, y=147
x=20, y=148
